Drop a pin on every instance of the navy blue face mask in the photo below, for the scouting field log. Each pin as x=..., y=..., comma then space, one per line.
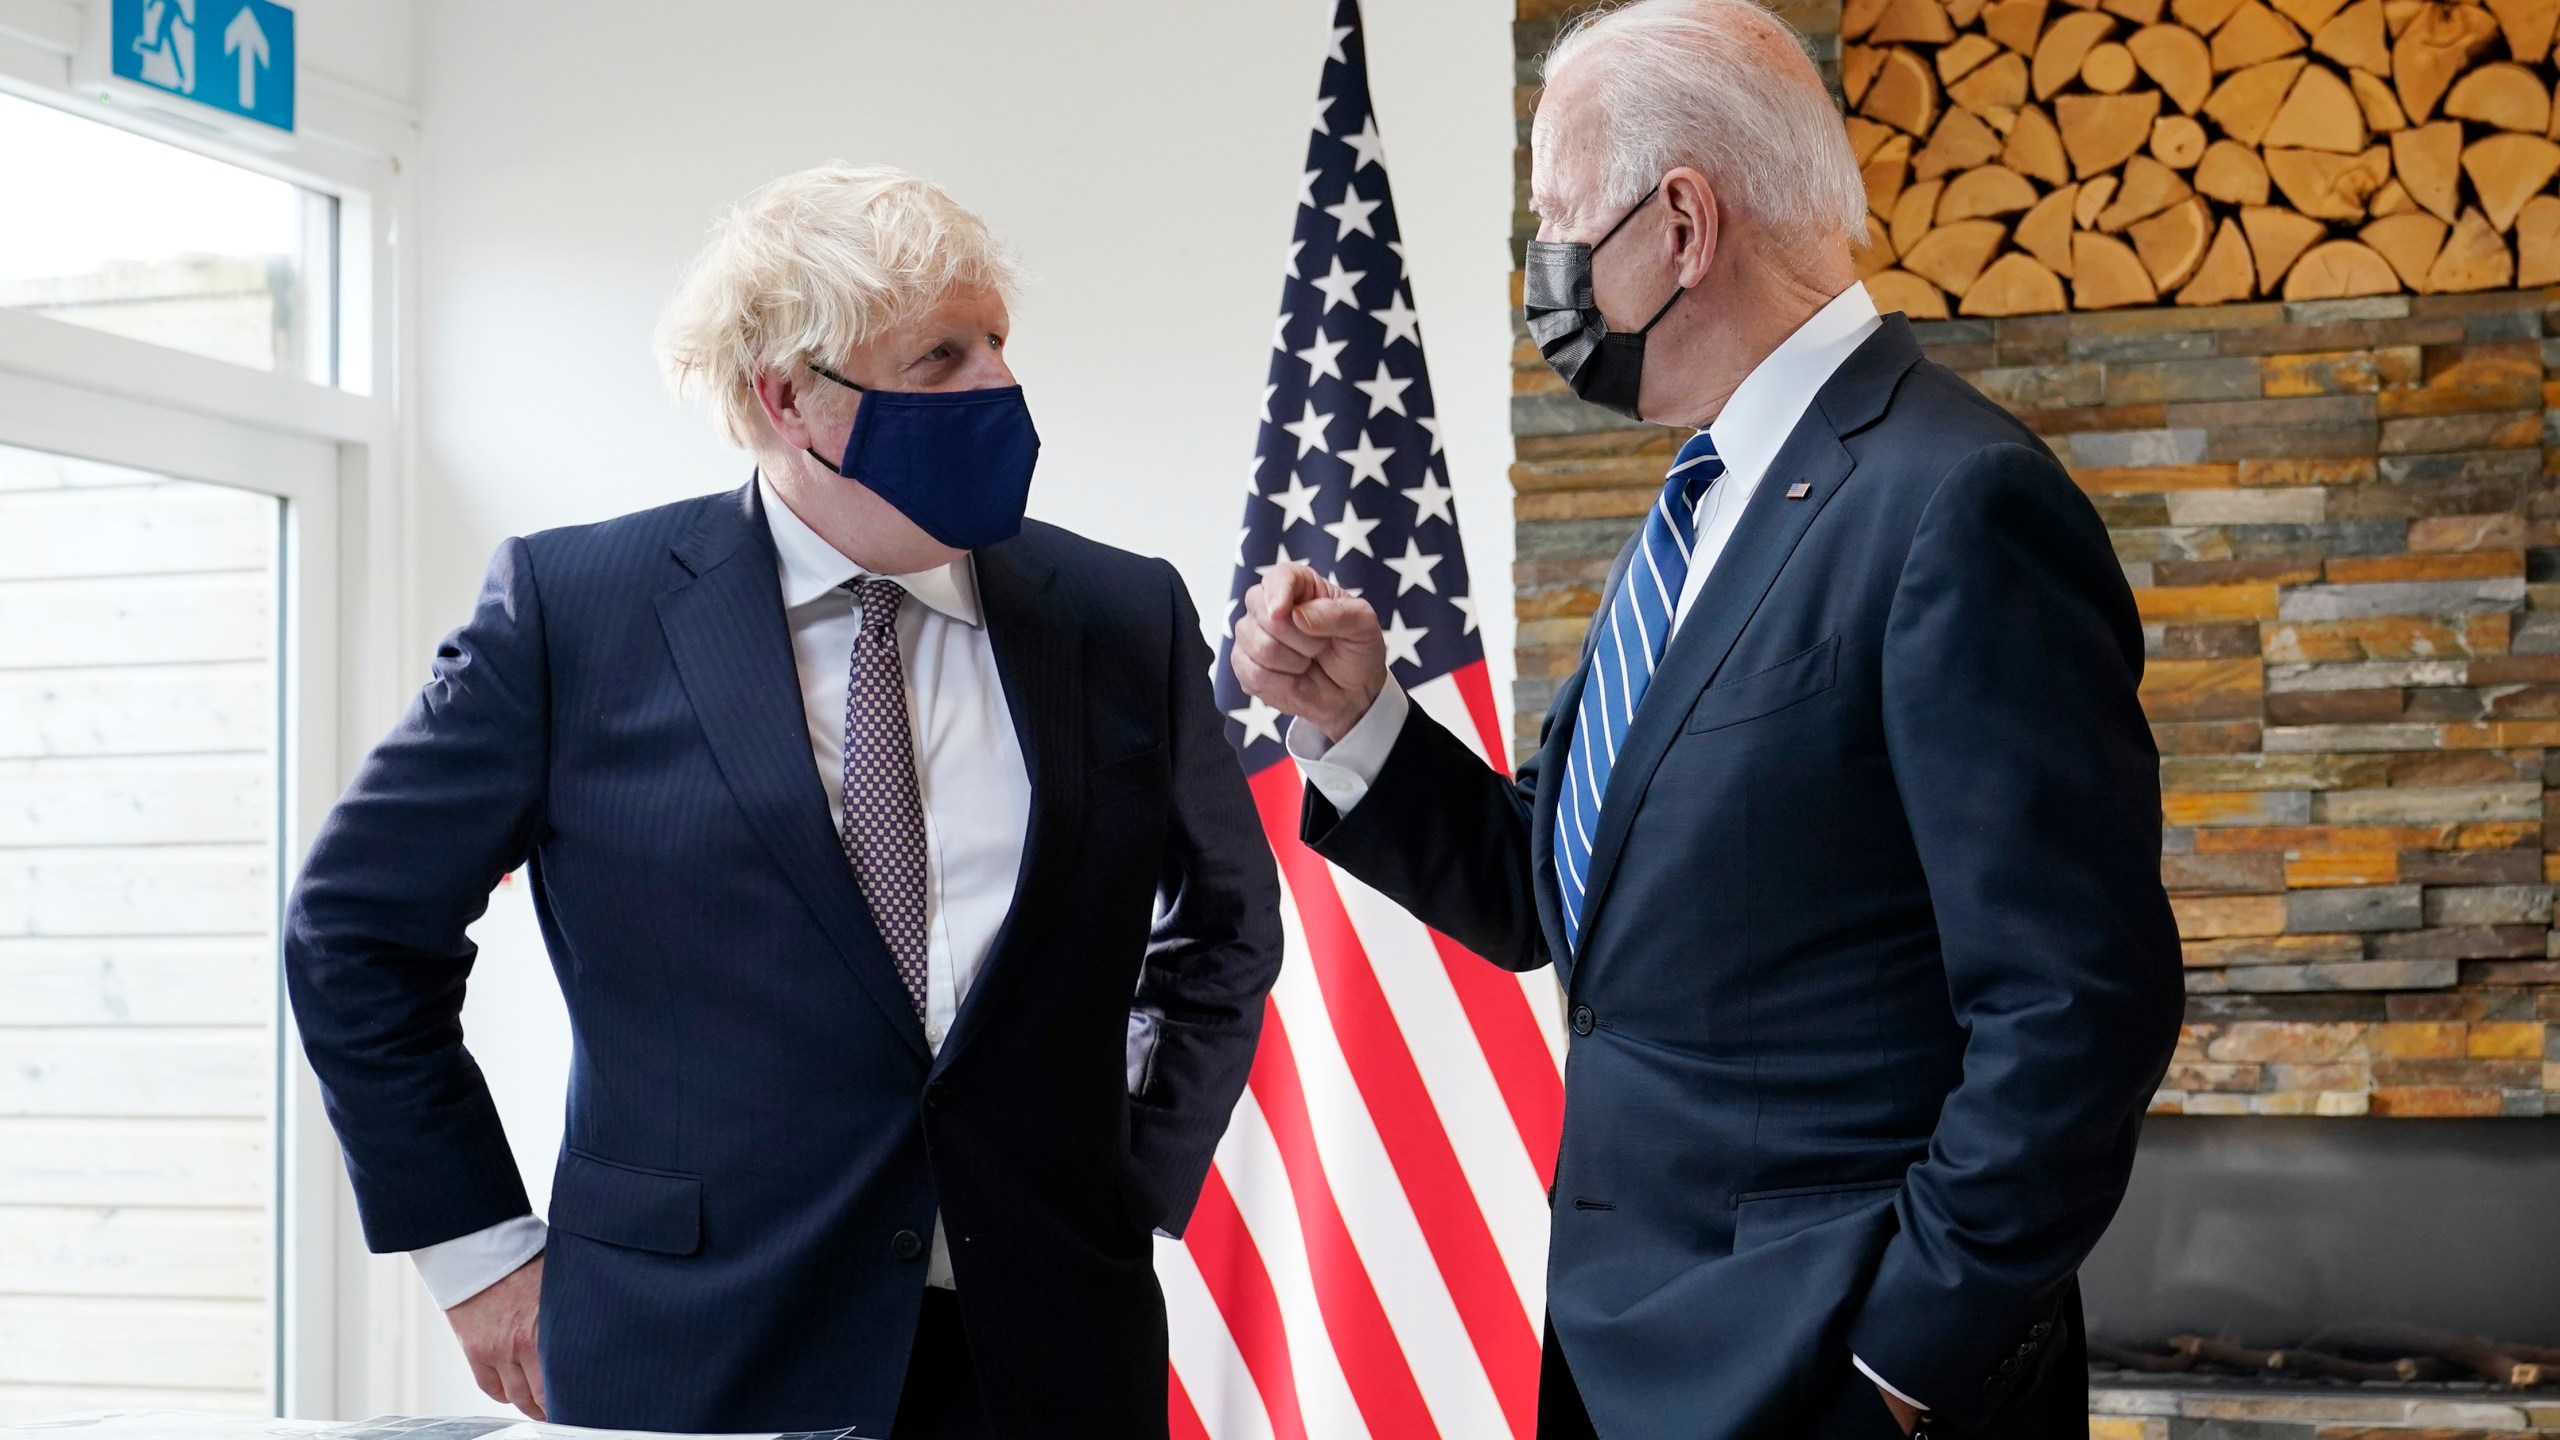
x=956, y=462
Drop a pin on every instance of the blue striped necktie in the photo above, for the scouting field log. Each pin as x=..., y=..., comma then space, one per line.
x=1630, y=645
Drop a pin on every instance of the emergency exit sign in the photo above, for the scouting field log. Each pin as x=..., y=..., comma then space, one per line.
x=236, y=56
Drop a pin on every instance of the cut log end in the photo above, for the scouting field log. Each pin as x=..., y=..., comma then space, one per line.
x=2014, y=285
x=1899, y=290
x=2339, y=270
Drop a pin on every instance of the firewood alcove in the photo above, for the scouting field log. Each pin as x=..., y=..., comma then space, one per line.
x=2030, y=156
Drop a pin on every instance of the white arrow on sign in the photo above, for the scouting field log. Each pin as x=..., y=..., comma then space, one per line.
x=247, y=39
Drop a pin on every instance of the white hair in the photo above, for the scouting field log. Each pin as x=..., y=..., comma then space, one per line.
x=1726, y=87
x=808, y=269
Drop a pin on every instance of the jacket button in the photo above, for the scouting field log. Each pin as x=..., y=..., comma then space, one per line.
x=2009, y=1366
x=1582, y=1019
x=935, y=1095
x=906, y=1245
x=2040, y=1330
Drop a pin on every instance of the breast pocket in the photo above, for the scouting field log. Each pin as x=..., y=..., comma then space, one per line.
x=1791, y=681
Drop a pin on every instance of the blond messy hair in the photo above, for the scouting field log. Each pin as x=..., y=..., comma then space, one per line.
x=808, y=269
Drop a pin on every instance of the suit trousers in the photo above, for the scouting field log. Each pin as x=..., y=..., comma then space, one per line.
x=941, y=1400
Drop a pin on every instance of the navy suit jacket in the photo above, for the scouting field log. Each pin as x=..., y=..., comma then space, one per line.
x=758, y=1138
x=1877, y=972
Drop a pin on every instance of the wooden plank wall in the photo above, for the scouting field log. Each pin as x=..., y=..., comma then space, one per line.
x=137, y=906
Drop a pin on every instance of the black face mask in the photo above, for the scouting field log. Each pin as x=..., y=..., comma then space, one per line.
x=1604, y=366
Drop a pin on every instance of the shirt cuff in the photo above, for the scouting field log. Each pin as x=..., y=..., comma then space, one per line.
x=1145, y=1027
x=1887, y=1385
x=464, y=1266
x=1343, y=770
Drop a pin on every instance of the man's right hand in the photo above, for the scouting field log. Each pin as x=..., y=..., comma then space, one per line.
x=1307, y=647
x=496, y=1328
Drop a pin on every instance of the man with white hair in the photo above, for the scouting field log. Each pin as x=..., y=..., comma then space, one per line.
x=912, y=913
x=1844, y=837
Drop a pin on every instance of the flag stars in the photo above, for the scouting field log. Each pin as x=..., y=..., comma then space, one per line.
x=1385, y=391
x=1413, y=569
x=1404, y=642
x=1431, y=500
x=1260, y=721
x=1307, y=186
x=1368, y=460
x=1353, y=213
x=1295, y=247
x=1280, y=330
x=1366, y=149
x=1297, y=503
x=1340, y=286
x=1322, y=355
x=1431, y=426
x=1465, y=605
x=1324, y=104
x=1309, y=428
x=1403, y=322
x=1333, y=46
x=1351, y=533
x=1267, y=392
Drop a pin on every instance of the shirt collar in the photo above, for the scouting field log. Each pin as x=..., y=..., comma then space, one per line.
x=1774, y=396
x=811, y=567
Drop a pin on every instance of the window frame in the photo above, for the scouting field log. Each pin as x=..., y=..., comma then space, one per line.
x=337, y=457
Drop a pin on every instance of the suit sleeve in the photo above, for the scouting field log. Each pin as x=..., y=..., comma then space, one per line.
x=2011, y=662
x=1446, y=836
x=375, y=953
x=1216, y=946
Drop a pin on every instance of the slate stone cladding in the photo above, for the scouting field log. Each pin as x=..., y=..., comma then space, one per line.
x=2341, y=520
x=2186, y=1413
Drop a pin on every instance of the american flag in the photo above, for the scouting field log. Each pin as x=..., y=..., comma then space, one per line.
x=1369, y=1254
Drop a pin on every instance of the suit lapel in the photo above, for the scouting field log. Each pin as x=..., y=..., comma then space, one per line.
x=1771, y=526
x=1039, y=651
x=732, y=647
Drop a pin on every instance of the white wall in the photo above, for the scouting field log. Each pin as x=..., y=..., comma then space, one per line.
x=1143, y=158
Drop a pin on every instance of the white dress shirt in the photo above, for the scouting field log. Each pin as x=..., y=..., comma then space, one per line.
x=970, y=775
x=1765, y=409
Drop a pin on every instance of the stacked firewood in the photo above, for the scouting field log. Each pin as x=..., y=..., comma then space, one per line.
x=2206, y=151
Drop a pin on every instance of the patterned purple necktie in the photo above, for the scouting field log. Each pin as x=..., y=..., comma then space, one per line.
x=883, y=817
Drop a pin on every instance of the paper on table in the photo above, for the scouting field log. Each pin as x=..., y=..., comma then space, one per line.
x=181, y=1425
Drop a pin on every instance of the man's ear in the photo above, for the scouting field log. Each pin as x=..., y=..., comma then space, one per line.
x=780, y=398
x=1697, y=223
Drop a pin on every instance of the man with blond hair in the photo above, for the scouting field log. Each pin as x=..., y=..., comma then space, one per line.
x=1844, y=836
x=912, y=913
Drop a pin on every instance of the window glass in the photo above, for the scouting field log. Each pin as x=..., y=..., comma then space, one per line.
x=138, y=1053
x=108, y=229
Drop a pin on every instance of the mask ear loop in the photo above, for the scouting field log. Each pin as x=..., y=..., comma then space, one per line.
x=838, y=465
x=1647, y=327
x=1630, y=215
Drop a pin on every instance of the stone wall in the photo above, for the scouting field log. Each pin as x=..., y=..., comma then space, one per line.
x=2341, y=527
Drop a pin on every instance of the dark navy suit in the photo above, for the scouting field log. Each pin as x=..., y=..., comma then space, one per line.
x=1877, y=973
x=758, y=1136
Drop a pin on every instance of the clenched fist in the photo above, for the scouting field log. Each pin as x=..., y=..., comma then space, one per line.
x=1309, y=648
